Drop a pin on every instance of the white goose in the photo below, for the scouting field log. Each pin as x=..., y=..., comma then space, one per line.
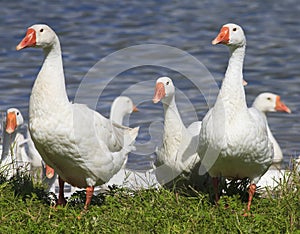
x=14, y=144
x=13, y=156
x=234, y=141
x=178, y=150
x=135, y=180
x=82, y=146
x=270, y=102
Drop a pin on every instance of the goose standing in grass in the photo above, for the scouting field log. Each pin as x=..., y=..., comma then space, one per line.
x=270, y=102
x=131, y=179
x=14, y=156
x=178, y=150
x=82, y=146
x=234, y=140
x=14, y=149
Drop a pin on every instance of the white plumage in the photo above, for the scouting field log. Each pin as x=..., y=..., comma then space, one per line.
x=234, y=141
x=81, y=145
x=178, y=151
x=14, y=156
x=270, y=102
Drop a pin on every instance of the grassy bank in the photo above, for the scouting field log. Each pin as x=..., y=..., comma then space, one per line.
x=25, y=208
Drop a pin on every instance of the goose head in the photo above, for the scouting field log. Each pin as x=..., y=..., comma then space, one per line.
x=14, y=119
x=164, y=90
x=125, y=105
x=231, y=35
x=270, y=102
x=38, y=35
x=121, y=106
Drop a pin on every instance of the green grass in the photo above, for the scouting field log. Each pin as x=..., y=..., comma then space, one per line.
x=25, y=208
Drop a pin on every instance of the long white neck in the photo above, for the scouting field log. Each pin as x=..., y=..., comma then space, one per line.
x=9, y=143
x=117, y=114
x=232, y=93
x=49, y=91
x=172, y=123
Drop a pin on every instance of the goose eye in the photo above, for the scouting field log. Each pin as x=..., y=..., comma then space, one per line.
x=234, y=29
x=18, y=113
x=41, y=30
x=167, y=83
x=269, y=99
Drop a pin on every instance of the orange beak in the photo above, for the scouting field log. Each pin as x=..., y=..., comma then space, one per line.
x=11, y=122
x=49, y=172
x=280, y=106
x=28, y=41
x=135, y=109
x=223, y=36
x=159, y=92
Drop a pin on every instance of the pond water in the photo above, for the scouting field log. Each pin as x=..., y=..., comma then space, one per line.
x=93, y=30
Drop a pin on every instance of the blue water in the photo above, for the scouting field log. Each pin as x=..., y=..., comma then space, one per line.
x=90, y=31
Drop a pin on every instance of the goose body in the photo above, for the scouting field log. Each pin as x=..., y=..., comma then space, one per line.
x=127, y=178
x=275, y=175
x=178, y=151
x=81, y=145
x=36, y=159
x=234, y=140
x=270, y=102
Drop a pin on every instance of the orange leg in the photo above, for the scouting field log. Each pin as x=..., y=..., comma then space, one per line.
x=216, y=188
x=61, y=196
x=89, y=195
x=49, y=172
x=251, y=191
